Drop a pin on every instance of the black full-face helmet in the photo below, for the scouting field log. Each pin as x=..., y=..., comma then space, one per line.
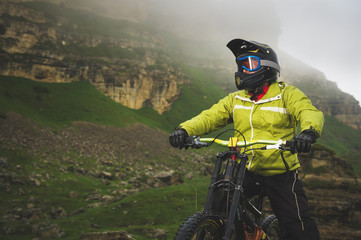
x=257, y=63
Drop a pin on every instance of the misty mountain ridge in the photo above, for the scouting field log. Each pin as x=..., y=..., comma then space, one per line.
x=136, y=60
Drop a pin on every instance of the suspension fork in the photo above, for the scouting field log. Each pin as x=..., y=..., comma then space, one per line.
x=238, y=190
x=212, y=185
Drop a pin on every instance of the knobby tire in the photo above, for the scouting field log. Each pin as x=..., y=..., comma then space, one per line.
x=205, y=226
x=271, y=227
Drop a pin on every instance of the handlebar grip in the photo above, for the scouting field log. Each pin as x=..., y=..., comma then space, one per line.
x=288, y=143
x=190, y=140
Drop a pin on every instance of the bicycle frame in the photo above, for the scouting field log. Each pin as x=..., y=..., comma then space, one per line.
x=237, y=214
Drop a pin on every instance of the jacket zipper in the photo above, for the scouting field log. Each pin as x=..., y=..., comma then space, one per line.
x=250, y=123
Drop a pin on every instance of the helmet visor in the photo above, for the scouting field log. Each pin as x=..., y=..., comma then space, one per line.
x=249, y=63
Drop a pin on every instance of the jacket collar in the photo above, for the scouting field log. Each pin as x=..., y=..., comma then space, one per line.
x=273, y=93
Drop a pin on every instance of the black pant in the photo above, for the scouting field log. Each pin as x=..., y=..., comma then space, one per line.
x=288, y=201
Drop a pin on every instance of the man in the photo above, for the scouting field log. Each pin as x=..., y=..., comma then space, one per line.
x=266, y=109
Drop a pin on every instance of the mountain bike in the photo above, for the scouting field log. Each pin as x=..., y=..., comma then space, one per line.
x=228, y=213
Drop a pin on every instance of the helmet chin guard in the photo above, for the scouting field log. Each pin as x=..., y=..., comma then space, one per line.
x=247, y=80
x=268, y=66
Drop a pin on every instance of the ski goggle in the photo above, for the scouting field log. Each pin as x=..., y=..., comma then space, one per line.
x=249, y=63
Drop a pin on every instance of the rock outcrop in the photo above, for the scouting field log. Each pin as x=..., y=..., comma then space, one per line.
x=324, y=94
x=106, y=236
x=334, y=194
x=131, y=66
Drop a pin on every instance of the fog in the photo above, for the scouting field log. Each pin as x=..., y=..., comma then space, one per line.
x=325, y=34
x=220, y=21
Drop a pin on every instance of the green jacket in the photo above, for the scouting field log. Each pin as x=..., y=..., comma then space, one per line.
x=275, y=116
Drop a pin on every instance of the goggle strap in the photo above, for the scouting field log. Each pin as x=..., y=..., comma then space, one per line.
x=271, y=64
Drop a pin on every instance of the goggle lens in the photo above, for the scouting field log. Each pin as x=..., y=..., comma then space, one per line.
x=250, y=63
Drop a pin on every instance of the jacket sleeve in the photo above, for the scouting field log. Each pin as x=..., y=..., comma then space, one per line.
x=302, y=110
x=219, y=115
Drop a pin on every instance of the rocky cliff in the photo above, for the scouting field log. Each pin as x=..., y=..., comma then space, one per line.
x=127, y=63
x=323, y=93
x=334, y=194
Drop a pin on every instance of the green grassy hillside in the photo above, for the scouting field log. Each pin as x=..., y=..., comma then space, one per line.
x=74, y=204
x=59, y=104
x=344, y=140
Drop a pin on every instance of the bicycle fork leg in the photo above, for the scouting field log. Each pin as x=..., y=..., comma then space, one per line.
x=232, y=215
x=208, y=204
x=235, y=199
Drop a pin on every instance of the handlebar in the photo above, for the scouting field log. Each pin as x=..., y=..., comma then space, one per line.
x=197, y=142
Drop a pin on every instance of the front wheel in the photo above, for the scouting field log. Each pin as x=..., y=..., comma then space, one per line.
x=271, y=227
x=201, y=226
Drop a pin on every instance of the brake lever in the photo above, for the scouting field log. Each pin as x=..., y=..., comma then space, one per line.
x=194, y=142
x=198, y=143
x=280, y=146
x=287, y=146
x=285, y=149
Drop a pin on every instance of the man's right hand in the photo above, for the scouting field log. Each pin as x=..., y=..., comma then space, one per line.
x=302, y=143
x=178, y=138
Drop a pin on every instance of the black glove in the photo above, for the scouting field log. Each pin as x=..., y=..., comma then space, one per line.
x=178, y=138
x=301, y=143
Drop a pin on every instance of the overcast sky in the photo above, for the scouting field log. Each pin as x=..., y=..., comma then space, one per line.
x=325, y=34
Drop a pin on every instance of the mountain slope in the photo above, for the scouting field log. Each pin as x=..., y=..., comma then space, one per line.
x=74, y=179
